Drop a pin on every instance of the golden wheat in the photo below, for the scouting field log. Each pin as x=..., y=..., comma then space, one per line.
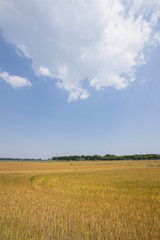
x=80, y=200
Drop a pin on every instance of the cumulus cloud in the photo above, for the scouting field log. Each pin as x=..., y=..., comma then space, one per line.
x=15, y=81
x=101, y=41
x=44, y=71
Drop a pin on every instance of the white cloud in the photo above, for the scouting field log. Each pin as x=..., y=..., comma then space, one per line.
x=15, y=81
x=77, y=93
x=22, y=50
x=103, y=41
x=44, y=71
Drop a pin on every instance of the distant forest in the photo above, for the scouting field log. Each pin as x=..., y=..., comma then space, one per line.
x=107, y=157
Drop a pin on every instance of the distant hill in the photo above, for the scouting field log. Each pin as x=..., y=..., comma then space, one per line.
x=19, y=159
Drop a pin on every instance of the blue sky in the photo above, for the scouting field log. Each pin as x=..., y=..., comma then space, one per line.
x=84, y=83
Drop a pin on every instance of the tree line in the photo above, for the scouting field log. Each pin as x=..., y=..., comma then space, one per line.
x=109, y=157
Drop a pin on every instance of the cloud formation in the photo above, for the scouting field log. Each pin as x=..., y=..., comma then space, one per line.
x=15, y=81
x=99, y=41
x=44, y=71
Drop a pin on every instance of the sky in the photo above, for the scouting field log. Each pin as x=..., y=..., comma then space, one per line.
x=79, y=77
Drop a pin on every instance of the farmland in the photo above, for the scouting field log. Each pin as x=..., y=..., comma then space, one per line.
x=80, y=200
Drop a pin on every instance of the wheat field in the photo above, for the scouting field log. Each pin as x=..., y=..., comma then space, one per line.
x=80, y=200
